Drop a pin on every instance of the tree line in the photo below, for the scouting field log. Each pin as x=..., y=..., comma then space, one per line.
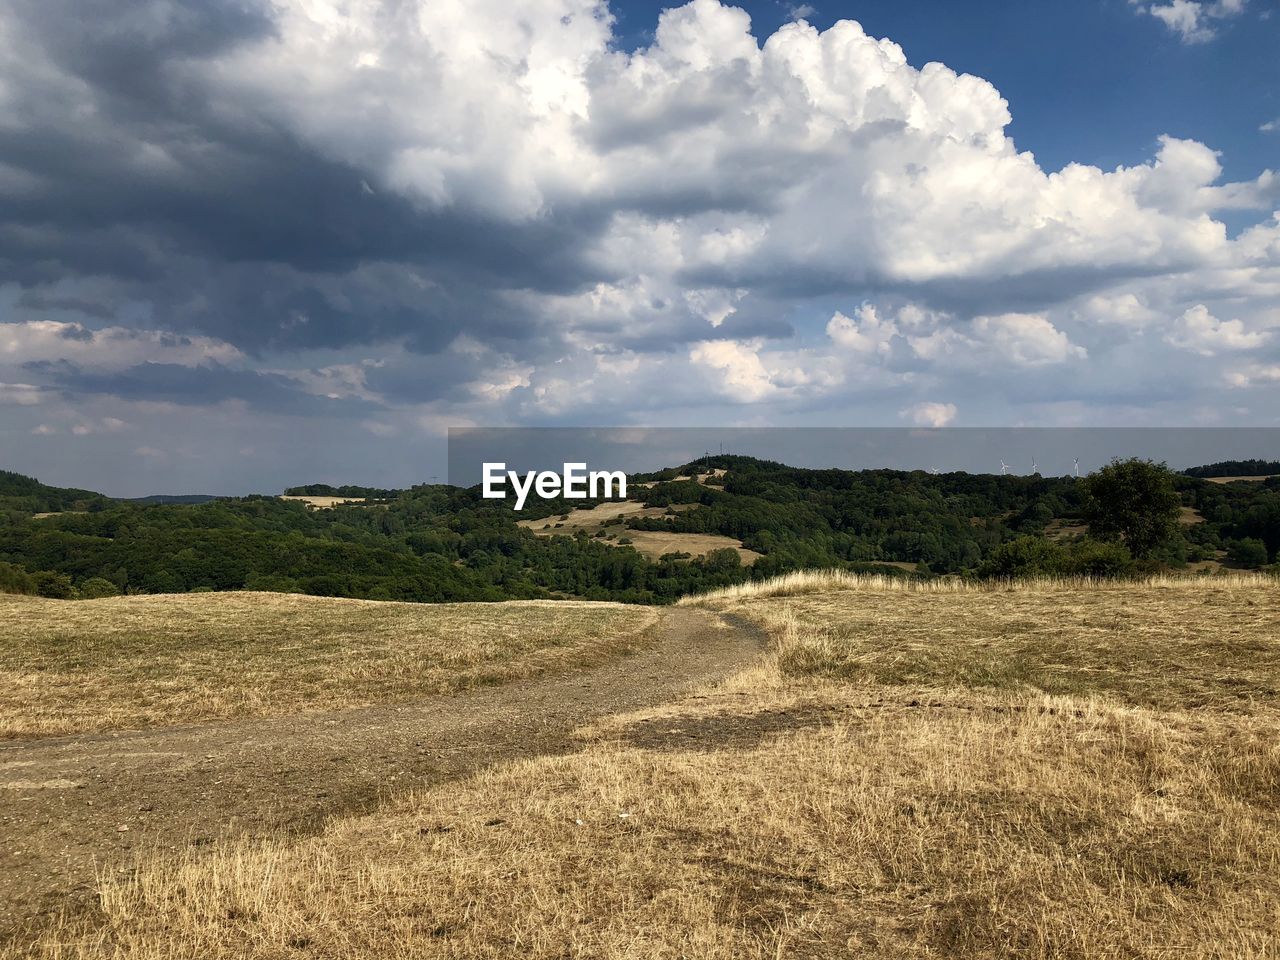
x=440, y=543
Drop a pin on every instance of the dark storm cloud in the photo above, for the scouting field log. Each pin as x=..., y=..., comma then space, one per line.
x=226, y=224
x=210, y=383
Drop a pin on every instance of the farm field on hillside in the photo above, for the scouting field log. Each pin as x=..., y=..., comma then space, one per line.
x=82, y=666
x=609, y=518
x=1048, y=770
x=325, y=503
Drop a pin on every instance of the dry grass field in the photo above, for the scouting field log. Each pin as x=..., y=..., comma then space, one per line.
x=609, y=518
x=1053, y=770
x=326, y=503
x=90, y=665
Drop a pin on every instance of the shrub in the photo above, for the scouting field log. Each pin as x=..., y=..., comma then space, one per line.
x=1249, y=552
x=1092, y=558
x=1024, y=557
x=13, y=579
x=95, y=588
x=57, y=586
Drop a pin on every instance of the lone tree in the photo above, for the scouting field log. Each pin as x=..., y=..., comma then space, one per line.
x=1132, y=501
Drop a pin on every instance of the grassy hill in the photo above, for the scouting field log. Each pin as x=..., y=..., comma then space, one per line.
x=1056, y=769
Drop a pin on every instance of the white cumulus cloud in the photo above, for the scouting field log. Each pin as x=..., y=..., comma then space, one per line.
x=1192, y=20
x=932, y=414
x=1200, y=331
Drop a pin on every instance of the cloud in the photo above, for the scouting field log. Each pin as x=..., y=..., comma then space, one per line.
x=20, y=394
x=866, y=335
x=104, y=425
x=932, y=414
x=1271, y=126
x=1254, y=375
x=992, y=342
x=108, y=348
x=422, y=212
x=1192, y=20
x=204, y=385
x=741, y=375
x=1200, y=331
x=1123, y=309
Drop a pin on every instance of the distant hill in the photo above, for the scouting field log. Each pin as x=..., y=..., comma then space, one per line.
x=166, y=499
x=29, y=495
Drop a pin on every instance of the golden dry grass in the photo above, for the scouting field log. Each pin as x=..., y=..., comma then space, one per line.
x=326, y=503
x=824, y=581
x=610, y=518
x=867, y=791
x=595, y=518
x=1164, y=642
x=138, y=661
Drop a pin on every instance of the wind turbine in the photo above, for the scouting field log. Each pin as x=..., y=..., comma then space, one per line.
x=1004, y=468
x=1077, y=468
x=1034, y=469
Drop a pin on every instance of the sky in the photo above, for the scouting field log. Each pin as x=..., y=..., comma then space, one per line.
x=250, y=244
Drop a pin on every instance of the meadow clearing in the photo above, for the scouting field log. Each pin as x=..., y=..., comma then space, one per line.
x=1054, y=769
x=610, y=519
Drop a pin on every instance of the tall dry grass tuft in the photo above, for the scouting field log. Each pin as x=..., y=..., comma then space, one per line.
x=802, y=582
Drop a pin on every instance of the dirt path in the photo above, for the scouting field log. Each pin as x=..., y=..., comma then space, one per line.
x=71, y=806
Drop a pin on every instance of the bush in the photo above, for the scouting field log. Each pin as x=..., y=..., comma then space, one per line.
x=95, y=588
x=723, y=560
x=14, y=579
x=1091, y=558
x=56, y=586
x=1249, y=552
x=1024, y=557
x=1038, y=557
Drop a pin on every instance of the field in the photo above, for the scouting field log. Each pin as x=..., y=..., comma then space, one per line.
x=1064, y=769
x=138, y=661
x=326, y=503
x=608, y=518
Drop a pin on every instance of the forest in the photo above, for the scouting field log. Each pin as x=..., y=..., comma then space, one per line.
x=441, y=543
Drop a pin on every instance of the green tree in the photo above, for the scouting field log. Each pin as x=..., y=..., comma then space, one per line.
x=95, y=588
x=1249, y=552
x=1132, y=501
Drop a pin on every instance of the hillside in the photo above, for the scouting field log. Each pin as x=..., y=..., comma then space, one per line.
x=1053, y=769
x=734, y=520
x=28, y=495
